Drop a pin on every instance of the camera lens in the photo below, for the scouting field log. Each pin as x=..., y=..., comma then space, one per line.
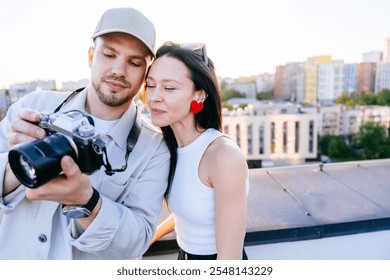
x=27, y=168
x=36, y=163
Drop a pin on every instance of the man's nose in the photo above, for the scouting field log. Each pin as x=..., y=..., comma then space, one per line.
x=119, y=69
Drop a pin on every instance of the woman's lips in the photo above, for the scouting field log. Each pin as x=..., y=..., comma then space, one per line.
x=156, y=111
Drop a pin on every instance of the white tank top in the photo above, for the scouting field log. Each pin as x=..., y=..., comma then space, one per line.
x=192, y=202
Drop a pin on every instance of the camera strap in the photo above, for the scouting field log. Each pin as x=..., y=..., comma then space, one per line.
x=69, y=97
x=131, y=141
x=131, y=138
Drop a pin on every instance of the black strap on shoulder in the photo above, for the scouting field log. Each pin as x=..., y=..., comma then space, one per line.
x=69, y=97
x=134, y=133
x=131, y=141
x=131, y=138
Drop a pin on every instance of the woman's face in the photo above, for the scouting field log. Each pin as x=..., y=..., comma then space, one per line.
x=169, y=92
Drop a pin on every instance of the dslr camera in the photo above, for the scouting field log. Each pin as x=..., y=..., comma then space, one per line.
x=69, y=133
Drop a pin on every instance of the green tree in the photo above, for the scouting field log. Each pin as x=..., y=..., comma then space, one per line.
x=373, y=141
x=351, y=103
x=227, y=93
x=265, y=95
x=368, y=99
x=343, y=98
x=230, y=93
x=323, y=144
x=338, y=149
x=384, y=97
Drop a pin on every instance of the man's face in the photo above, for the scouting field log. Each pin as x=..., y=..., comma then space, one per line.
x=119, y=64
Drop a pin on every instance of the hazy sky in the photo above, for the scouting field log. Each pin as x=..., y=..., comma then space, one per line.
x=49, y=39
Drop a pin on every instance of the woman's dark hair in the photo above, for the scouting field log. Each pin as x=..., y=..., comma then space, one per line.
x=202, y=72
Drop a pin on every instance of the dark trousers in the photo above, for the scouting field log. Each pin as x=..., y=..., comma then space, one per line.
x=183, y=255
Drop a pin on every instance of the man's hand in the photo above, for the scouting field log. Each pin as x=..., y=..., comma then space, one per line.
x=71, y=187
x=24, y=129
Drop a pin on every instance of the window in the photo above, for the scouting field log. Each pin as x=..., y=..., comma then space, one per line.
x=250, y=139
x=226, y=129
x=272, y=137
x=311, y=136
x=261, y=139
x=238, y=135
x=296, y=137
x=284, y=137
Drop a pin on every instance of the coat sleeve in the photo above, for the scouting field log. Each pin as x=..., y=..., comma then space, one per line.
x=36, y=100
x=10, y=201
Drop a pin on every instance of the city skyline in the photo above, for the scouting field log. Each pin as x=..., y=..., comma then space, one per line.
x=245, y=39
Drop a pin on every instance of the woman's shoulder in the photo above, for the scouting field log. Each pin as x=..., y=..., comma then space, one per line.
x=224, y=151
x=225, y=165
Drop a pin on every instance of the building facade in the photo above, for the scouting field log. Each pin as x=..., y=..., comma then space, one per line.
x=382, y=76
x=290, y=82
x=311, y=80
x=276, y=134
x=330, y=80
x=265, y=82
x=350, y=78
x=366, y=81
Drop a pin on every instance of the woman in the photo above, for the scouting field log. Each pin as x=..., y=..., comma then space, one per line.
x=208, y=192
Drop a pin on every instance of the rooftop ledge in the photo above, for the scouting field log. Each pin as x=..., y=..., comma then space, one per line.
x=311, y=201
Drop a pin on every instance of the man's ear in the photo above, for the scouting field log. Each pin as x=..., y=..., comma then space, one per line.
x=90, y=55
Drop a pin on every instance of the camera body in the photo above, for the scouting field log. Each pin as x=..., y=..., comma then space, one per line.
x=70, y=133
x=79, y=127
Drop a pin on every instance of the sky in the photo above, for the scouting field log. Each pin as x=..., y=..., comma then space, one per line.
x=49, y=39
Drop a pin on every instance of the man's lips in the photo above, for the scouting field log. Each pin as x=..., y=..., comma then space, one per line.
x=115, y=85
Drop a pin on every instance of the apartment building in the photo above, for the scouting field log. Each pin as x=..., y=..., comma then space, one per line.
x=330, y=81
x=282, y=133
x=73, y=85
x=247, y=88
x=342, y=120
x=350, y=78
x=386, y=51
x=382, y=76
x=276, y=133
x=311, y=80
x=290, y=82
x=19, y=90
x=265, y=82
x=366, y=81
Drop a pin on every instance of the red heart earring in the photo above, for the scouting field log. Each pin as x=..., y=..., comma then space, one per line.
x=196, y=106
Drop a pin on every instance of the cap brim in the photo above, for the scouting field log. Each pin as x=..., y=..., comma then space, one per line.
x=107, y=31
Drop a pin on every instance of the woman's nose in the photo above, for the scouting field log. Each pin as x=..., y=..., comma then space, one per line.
x=154, y=94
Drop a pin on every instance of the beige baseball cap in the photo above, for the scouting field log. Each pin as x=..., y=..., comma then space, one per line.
x=129, y=21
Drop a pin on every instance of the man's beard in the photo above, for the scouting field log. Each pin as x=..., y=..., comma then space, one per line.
x=111, y=99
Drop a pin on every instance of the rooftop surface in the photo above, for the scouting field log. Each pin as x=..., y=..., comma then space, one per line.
x=318, y=194
x=312, y=201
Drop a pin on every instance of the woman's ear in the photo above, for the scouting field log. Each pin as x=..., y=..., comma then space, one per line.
x=90, y=55
x=202, y=95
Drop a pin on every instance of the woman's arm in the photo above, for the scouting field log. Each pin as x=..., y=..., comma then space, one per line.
x=167, y=226
x=228, y=173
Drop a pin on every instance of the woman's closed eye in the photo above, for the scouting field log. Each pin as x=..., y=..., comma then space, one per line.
x=150, y=85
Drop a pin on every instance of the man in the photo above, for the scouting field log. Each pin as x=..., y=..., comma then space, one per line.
x=121, y=210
